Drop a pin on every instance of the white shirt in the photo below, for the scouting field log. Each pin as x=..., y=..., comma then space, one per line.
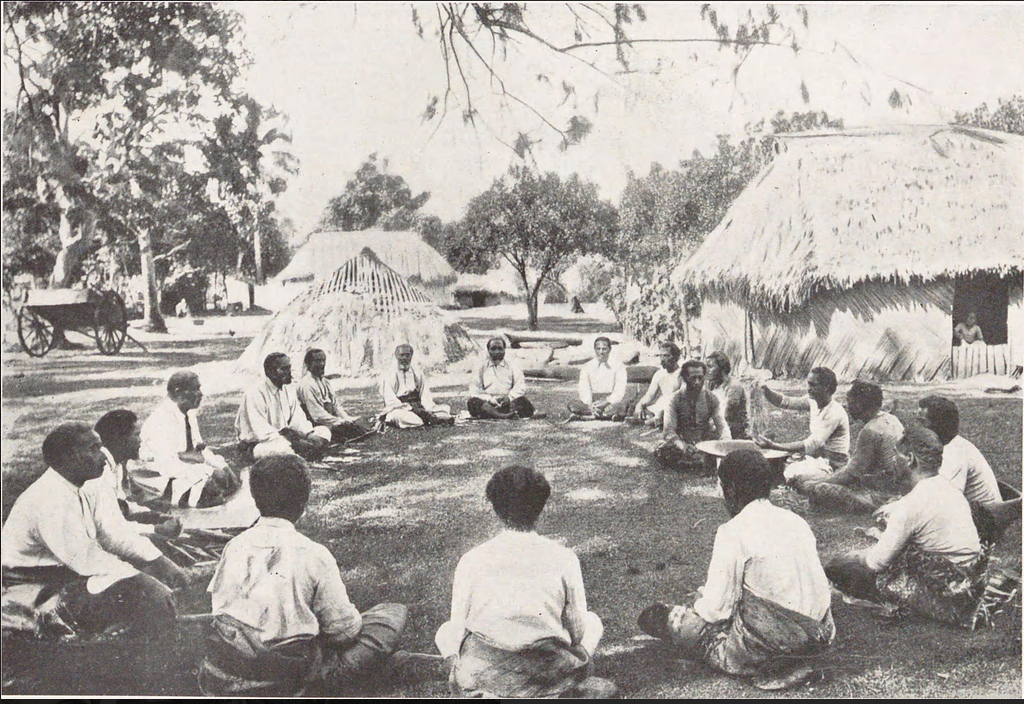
x=772, y=553
x=395, y=382
x=663, y=385
x=276, y=580
x=966, y=469
x=502, y=379
x=935, y=517
x=514, y=590
x=163, y=433
x=266, y=410
x=598, y=378
x=55, y=523
x=830, y=428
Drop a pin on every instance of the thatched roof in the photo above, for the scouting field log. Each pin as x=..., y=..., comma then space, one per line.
x=500, y=280
x=834, y=209
x=405, y=252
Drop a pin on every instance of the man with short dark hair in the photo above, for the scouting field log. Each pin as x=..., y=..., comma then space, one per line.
x=270, y=421
x=498, y=388
x=872, y=476
x=730, y=393
x=925, y=560
x=602, y=386
x=519, y=625
x=827, y=447
x=74, y=567
x=766, y=601
x=408, y=402
x=693, y=415
x=282, y=616
x=651, y=408
x=317, y=400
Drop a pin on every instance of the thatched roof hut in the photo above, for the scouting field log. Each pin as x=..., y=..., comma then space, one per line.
x=494, y=287
x=857, y=250
x=358, y=315
x=405, y=252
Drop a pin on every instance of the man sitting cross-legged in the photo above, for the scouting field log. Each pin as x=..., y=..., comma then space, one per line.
x=177, y=466
x=872, y=476
x=282, y=616
x=519, y=625
x=766, y=602
x=925, y=560
x=693, y=415
x=408, y=402
x=498, y=388
x=317, y=400
x=651, y=408
x=72, y=563
x=270, y=421
x=602, y=386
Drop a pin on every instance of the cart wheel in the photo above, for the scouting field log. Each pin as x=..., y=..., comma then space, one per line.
x=111, y=323
x=35, y=333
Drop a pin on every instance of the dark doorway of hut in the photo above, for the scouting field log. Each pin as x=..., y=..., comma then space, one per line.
x=988, y=297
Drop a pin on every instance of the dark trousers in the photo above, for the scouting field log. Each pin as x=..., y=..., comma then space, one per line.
x=515, y=408
x=142, y=602
x=853, y=578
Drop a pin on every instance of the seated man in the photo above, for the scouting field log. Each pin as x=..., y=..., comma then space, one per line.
x=70, y=563
x=827, y=448
x=766, y=600
x=924, y=562
x=498, y=388
x=282, y=616
x=602, y=386
x=651, y=408
x=270, y=422
x=178, y=467
x=408, y=402
x=730, y=393
x=520, y=625
x=317, y=400
x=693, y=415
x=966, y=469
x=969, y=332
x=872, y=476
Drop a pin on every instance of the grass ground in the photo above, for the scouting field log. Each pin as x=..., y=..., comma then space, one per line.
x=398, y=521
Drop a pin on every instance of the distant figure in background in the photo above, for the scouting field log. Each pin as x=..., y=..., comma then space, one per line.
x=317, y=400
x=602, y=386
x=693, y=415
x=408, y=402
x=969, y=332
x=651, y=408
x=730, y=393
x=498, y=388
x=270, y=420
x=827, y=447
x=872, y=476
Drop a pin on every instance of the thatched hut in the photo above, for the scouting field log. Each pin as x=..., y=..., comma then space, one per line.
x=497, y=286
x=405, y=252
x=860, y=250
x=358, y=316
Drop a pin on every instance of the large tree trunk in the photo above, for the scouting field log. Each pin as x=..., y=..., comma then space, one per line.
x=258, y=252
x=531, y=310
x=154, y=322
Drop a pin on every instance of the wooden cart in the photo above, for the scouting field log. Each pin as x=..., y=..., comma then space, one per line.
x=99, y=315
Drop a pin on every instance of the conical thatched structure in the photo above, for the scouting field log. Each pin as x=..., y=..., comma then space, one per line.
x=858, y=250
x=405, y=252
x=357, y=316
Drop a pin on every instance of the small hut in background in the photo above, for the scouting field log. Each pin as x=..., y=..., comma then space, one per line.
x=404, y=252
x=862, y=250
x=497, y=286
x=358, y=315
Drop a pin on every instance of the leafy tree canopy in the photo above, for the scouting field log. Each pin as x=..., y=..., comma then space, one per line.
x=374, y=198
x=1008, y=117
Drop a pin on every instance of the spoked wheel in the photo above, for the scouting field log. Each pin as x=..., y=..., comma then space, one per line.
x=111, y=323
x=36, y=334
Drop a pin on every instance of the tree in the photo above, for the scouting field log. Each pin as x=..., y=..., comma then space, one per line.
x=1008, y=117
x=374, y=198
x=538, y=223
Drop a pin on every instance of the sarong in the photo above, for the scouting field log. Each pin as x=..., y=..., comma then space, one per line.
x=547, y=668
x=925, y=584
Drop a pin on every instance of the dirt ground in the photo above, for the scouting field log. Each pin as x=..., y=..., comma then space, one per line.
x=399, y=518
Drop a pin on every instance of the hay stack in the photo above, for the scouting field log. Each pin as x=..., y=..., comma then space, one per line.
x=358, y=316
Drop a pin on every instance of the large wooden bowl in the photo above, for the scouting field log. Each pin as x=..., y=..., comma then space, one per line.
x=721, y=448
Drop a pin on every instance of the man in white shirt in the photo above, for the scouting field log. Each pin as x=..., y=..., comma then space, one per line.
x=177, y=466
x=283, y=618
x=408, y=402
x=70, y=561
x=498, y=388
x=602, y=387
x=766, y=599
x=924, y=562
x=827, y=447
x=519, y=625
x=651, y=408
x=317, y=400
x=270, y=420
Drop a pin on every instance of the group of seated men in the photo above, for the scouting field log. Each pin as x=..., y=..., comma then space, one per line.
x=81, y=557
